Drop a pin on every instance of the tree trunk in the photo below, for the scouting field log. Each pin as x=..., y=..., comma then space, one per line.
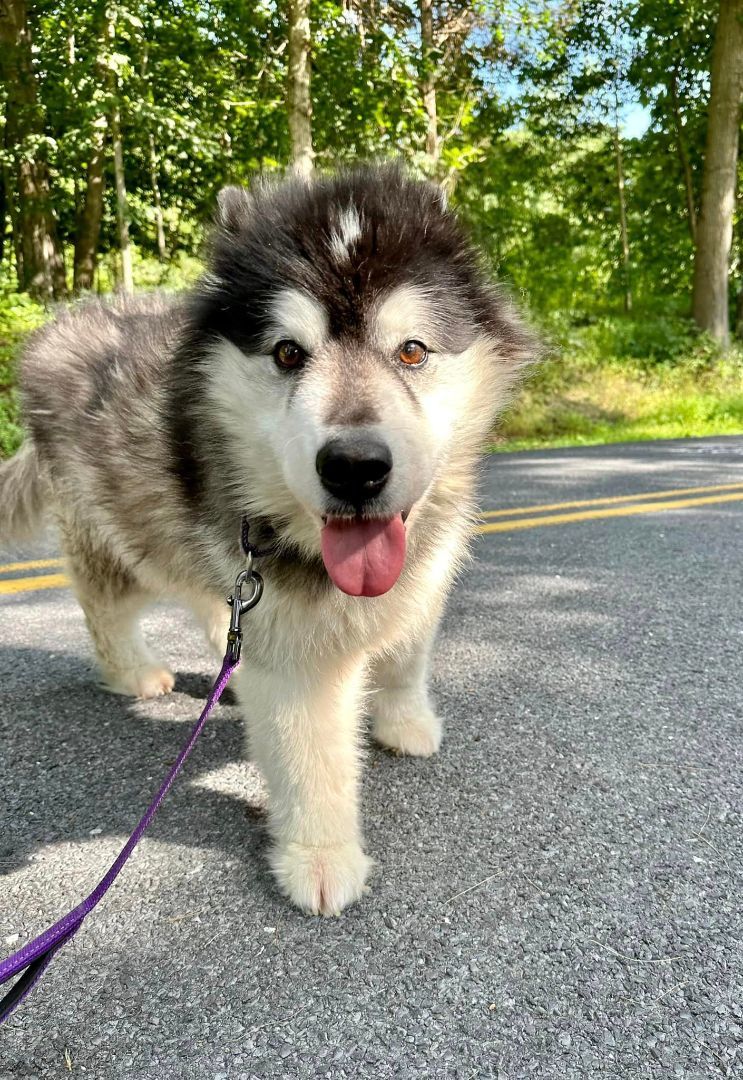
x=715, y=224
x=3, y=215
x=299, y=102
x=736, y=271
x=40, y=265
x=89, y=220
x=12, y=205
x=126, y=283
x=122, y=203
x=691, y=206
x=623, y=234
x=153, y=162
x=162, y=252
x=428, y=84
x=88, y=230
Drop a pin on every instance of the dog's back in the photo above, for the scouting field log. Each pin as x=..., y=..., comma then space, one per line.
x=88, y=383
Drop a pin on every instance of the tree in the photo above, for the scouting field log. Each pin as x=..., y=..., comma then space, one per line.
x=122, y=202
x=90, y=209
x=579, y=75
x=428, y=83
x=299, y=102
x=715, y=223
x=39, y=260
x=683, y=154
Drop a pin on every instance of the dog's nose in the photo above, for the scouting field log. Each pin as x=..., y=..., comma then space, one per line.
x=354, y=469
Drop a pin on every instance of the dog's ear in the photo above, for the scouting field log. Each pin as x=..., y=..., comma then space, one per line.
x=234, y=208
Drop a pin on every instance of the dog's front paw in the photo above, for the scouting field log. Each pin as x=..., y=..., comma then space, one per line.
x=321, y=880
x=413, y=729
x=144, y=682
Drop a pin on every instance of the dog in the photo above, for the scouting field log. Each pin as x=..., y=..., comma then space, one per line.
x=332, y=377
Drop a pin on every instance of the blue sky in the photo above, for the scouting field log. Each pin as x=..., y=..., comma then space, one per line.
x=636, y=121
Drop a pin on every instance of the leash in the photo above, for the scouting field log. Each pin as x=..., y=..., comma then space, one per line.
x=34, y=958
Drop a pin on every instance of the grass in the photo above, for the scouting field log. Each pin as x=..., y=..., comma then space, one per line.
x=606, y=379
x=620, y=380
x=612, y=406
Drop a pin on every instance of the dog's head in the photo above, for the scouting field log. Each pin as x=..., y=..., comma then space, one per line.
x=357, y=353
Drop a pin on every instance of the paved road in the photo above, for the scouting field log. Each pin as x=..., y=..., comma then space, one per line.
x=558, y=893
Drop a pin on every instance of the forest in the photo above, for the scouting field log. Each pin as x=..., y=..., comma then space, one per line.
x=590, y=145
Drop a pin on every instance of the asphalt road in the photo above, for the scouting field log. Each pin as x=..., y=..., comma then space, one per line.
x=558, y=893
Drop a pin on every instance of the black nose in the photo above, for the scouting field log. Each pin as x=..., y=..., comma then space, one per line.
x=354, y=469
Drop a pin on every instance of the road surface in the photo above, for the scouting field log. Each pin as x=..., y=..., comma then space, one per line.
x=558, y=893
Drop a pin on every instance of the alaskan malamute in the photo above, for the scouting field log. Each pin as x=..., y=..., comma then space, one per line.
x=332, y=377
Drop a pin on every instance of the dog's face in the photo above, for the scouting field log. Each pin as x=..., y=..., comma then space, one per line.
x=357, y=353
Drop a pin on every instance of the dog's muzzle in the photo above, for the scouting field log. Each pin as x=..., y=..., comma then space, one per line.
x=354, y=468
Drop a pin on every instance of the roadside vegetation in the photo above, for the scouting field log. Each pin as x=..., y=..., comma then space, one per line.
x=619, y=379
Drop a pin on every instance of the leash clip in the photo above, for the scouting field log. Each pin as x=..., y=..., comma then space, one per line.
x=240, y=605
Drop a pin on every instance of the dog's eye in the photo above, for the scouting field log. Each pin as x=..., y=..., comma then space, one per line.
x=414, y=353
x=288, y=355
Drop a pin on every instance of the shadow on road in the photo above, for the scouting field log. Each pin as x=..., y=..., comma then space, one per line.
x=84, y=759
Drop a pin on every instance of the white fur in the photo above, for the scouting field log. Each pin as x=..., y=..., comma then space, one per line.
x=299, y=317
x=303, y=692
x=307, y=666
x=302, y=682
x=303, y=732
x=405, y=313
x=127, y=666
x=346, y=234
x=255, y=405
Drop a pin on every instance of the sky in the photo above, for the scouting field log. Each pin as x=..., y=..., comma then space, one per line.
x=636, y=121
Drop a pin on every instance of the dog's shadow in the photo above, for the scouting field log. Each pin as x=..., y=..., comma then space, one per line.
x=79, y=762
x=193, y=685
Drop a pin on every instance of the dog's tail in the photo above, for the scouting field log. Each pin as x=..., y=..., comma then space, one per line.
x=24, y=494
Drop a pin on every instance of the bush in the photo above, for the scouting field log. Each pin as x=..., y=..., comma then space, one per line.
x=18, y=316
x=614, y=378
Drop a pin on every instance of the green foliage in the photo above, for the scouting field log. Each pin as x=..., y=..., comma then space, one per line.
x=646, y=341
x=177, y=273
x=617, y=379
x=528, y=94
x=532, y=97
x=18, y=316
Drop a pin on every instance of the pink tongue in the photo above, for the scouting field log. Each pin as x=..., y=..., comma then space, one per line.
x=364, y=558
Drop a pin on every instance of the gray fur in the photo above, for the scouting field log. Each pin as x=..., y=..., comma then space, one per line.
x=24, y=495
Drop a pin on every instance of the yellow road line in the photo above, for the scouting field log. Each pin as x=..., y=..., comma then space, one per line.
x=57, y=581
x=36, y=564
x=30, y=584
x=615, y=511
x=669, y=493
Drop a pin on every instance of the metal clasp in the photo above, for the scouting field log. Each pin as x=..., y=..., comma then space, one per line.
x=240, y=605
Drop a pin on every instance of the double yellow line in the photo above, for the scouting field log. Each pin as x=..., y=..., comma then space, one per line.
x=494, y=521
x=649, y=502
x=32, y=582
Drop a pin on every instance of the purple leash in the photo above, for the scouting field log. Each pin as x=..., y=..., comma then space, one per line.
x=34, y=958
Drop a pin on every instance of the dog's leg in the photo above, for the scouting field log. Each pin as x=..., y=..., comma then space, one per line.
x=213, y=614
x=303, y=728
x=403, y=717
x=112, y=603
